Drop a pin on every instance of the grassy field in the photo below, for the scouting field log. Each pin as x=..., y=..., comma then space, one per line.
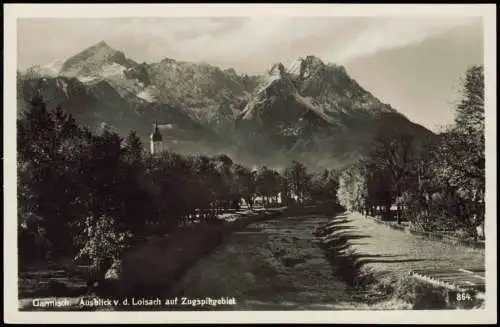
x=381, y=248
x=378, y=259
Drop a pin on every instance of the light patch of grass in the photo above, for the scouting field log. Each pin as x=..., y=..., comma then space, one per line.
x=376, y=261
x=403, y=252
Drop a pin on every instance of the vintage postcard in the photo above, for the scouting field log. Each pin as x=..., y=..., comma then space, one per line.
x=250, y=163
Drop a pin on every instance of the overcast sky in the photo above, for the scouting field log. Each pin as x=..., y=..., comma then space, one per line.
x=415, y=64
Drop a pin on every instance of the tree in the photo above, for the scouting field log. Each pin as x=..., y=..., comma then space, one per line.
x=298, y=179
x=134, y=148
x=390, y=162
x=104, y=173
x=35, y=133
x=136, y=201
x=323, y=186
x=380, y=189
x=285, y=188
x=469, y=116
x=460, y=159
x=208, y=176
x=101, y=241
x=268, y=184
x=246, y=183
x=223, y=182
x=446, y=189
x=352, y=191
x=41, y=168
x=469, y=134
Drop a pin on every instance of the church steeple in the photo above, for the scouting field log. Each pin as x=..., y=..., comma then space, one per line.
x=156, y=135
x=156, y=140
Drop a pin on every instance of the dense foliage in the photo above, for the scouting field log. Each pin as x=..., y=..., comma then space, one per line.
x=88, y=195
x=437, y=182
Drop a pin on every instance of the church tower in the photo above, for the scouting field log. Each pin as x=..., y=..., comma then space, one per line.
x=156, y=140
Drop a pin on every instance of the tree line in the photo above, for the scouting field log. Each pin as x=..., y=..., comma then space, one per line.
x=437, y=182
x=90, y=194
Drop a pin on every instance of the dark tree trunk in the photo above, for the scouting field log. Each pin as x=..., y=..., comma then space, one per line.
x=387, y=211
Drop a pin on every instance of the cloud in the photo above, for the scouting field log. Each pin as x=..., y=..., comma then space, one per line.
x=237, y=38
x=233, y=40
x=385, y=34
x=196, y=39
x=226, y=39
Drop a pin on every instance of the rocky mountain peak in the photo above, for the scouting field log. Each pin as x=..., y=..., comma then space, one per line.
x=91, y=60
x=304, y=67
x=168, y=61
x=100, y=48
x=313, y=62
x=102, y=45
x=277, y=69
x=276, y=82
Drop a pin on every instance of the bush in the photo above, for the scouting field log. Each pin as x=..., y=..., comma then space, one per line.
x=101, y=241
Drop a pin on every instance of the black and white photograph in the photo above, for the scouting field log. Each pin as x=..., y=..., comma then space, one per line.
x=238, y=161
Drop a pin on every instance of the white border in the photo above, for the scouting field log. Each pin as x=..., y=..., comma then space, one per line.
x=14, y=11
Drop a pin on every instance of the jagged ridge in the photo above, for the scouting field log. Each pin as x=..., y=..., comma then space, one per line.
x=308, y=108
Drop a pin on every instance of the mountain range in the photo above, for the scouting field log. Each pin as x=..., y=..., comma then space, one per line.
x=309, y=110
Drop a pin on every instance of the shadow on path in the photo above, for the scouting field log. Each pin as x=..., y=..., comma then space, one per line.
x=380, y=276
x=336, y=237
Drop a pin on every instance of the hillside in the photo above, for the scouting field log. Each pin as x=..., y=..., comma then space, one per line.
x=315, y=113
x=310, y=111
